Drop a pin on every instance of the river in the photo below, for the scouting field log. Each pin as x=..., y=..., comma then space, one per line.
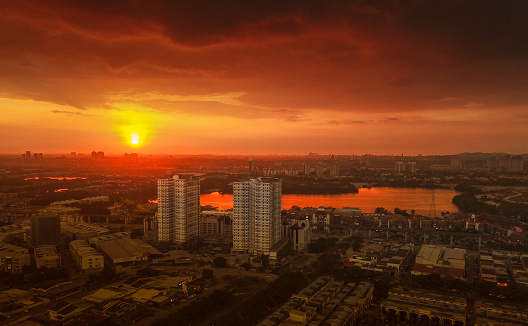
x=367, y=199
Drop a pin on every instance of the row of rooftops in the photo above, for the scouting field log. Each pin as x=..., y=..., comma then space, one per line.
x=322, y=302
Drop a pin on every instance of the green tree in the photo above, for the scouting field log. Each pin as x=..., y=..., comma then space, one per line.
x=220, y=262
x=381, y=210
x=207, y=273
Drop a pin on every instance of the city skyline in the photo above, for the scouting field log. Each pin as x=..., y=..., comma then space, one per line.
x=259, y=77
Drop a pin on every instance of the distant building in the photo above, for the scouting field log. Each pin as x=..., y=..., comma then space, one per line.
x=178, y=208
x=319, y=170
x=410, y=167
x=251, y=166
x=256, y=215
x=45, y=230
x=97, y=155
x=517, y=164
x=47, y=256
x=150, y=230
x=216, y=227
x=398, y=167
x=306, y=168
x=334, y=170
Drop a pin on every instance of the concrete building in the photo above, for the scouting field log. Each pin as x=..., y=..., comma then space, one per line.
x=306, y=168
x=83, y=231
x=299, y=232
x=125, y=251
x=216, y=227
x=319, y=170
x=45, y=229
x=398, y=167
x=432, y=259
x=251, y=166
x=323, y=302
x=48, y=256
x=150, y=229
x=334, y=170
x=178, y=208
x=13, y=258
x=256, y=215
x=85, y=257
x=108, y=237
x=418, y=306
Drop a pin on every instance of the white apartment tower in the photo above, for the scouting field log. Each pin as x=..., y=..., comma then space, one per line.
x=178, y=208
x=256, y=215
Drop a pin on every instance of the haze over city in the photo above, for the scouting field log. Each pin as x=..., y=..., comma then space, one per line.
x=259, y=77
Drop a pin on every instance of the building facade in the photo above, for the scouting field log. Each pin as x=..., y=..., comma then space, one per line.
x=178, y=208
x=256, y=215
x=45, y=229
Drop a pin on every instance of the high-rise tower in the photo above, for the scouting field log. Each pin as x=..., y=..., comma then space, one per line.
x=178, y=208
x=256, y=215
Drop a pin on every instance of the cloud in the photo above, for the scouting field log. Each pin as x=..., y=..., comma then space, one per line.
x=70, y=113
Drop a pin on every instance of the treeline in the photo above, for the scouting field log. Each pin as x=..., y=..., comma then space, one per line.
x=290, y=185
x=468, y=203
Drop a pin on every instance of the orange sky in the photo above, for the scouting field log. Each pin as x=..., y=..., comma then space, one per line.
x=259, y=77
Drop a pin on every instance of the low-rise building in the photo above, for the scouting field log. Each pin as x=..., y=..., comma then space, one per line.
x=47, y=256
x=432, y=259
x=125, y=251
x=323, y=302
x=414, y=306
x=499, y=313
x=85, y=257
x=13, y=258
x=83, y=231
x=108, y=237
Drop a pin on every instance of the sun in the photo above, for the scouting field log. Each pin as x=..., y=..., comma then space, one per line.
x=134, y=139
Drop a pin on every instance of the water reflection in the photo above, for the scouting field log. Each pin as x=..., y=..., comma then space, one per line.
x=367, y=199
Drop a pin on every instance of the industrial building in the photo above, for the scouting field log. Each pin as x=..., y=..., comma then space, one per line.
x=85, y=257
x=47, y=256
x=124, y=251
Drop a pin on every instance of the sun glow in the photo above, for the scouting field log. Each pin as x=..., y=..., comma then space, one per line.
x=134, y=139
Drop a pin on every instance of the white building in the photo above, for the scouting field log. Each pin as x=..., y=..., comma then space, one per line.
x=47, y=255
x=86, y=258
x=256, y=215
x=178, y=208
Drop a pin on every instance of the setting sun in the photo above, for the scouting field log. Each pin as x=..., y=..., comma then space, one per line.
x=134, y=139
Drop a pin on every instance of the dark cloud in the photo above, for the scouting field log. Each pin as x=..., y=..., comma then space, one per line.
x=358, y=55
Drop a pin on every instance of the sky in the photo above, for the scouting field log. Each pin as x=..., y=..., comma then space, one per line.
x=264, y=77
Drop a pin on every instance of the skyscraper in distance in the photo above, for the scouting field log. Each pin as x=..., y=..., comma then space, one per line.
x=178, y=208
x=256, y=215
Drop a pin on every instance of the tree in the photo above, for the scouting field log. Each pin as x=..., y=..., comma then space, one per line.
x=220, y=262
x=413, y=211
x=246, y=265
x=356, y=242
x=401, y=212
x=207, y=273
x=264, y=261
x=381, y=210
